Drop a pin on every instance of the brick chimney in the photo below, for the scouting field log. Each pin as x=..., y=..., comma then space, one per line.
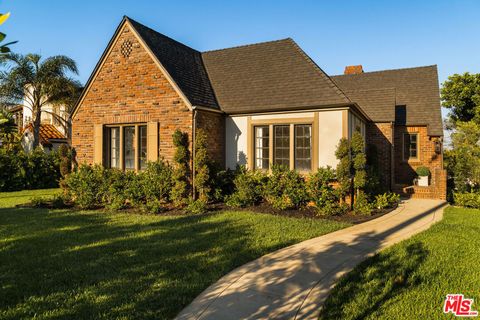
x=353, y=69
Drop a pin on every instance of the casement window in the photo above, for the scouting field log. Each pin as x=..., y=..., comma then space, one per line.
x=262, y=148
x=410, y=146
x=281, y=145
x=303, y=147
x=289, y=145
x=125, y=146
x=113, y=135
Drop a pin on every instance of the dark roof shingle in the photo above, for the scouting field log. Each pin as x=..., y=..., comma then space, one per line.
x=416, y=88
x=183, y=63
x=269, y=76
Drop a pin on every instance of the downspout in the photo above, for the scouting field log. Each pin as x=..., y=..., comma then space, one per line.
x=392, y=157
x=194, y=129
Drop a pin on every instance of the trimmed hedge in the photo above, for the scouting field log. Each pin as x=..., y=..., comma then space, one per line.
x=467, y=199
x=34, y=170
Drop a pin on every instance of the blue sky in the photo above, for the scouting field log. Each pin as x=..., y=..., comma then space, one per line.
x=376, y=34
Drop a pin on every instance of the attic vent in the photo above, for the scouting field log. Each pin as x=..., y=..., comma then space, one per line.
x=126, y=48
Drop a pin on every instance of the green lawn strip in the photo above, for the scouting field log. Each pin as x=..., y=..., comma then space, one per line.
x=67, y=264
x=411, y=279
x=10, y=199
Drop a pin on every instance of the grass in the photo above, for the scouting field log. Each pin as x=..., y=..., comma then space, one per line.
x=66, y=264
x=10, y=199
x=411, y=279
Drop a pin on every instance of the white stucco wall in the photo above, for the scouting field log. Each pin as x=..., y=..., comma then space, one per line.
x=329, y=131
x=46, y=116
x=329, y=134
x=235, y=141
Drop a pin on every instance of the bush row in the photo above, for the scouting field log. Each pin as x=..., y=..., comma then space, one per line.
x=286, y=189
x=34, y=170
x=152, y=190
x=467, y=199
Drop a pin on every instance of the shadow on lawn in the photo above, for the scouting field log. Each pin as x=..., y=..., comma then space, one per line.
x=279, y=292
x=83, y=266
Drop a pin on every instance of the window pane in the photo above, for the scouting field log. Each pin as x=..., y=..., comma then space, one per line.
x=410, y=146
x=262, y=152
x=129, y=147
x=282, y=145
x=142, y=147
x=114, y=147
x=303, y=146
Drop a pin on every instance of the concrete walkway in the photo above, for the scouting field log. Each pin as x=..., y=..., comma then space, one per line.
x=292, y=283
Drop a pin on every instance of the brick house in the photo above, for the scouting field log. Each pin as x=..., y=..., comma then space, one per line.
x=259, y=104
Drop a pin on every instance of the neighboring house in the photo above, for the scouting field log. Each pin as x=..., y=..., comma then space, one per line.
x=50, y=137
x=259, y=104
x=54, y=126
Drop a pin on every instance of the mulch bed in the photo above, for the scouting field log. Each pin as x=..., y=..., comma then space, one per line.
x=263, y=208
x=311, y=212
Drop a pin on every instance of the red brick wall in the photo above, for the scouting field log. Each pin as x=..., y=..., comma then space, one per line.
x=380, y=136
x=129, y=90
x=214, y=125
x=405, y=170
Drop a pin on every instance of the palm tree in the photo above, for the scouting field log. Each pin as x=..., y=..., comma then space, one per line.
x=39, y=82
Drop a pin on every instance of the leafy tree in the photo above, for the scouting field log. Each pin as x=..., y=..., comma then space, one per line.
x=39, y=82
x=202, y=171
x=461, y=94
x=351, y=169
x=359, y=162
x=181, y=169
x=463, y=161
x=4, y=48
x=344, y=168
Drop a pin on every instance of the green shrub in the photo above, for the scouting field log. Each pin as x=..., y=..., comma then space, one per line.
x=196, y=207
x=386, y=200
x=116, y=187
x=153, y=206
x=423, y=171
x=221, y=182
x=86, y=186
x=156, y=182
x=321, y=191
x=361, y=205
x=56, y=201
x=286, y=189
x=65, y=155
x=248, y=186
x=467, y=199
x=181, y=169
x=202, y=170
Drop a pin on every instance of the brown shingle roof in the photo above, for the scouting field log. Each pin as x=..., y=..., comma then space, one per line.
x=415, y=88
x=47, y=132
x=379, y=104
x=269, y=76
x=266, y=76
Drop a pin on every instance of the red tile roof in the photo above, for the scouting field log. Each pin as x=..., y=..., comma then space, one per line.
x=47, y=132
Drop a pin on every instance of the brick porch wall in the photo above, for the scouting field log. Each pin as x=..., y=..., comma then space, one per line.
x=405, y=170
x=130, y=90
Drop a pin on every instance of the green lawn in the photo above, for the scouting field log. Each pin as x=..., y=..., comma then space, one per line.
x=411, y=279
x=65, y=264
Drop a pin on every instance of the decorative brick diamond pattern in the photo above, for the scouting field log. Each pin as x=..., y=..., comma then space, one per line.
x=126, y=48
